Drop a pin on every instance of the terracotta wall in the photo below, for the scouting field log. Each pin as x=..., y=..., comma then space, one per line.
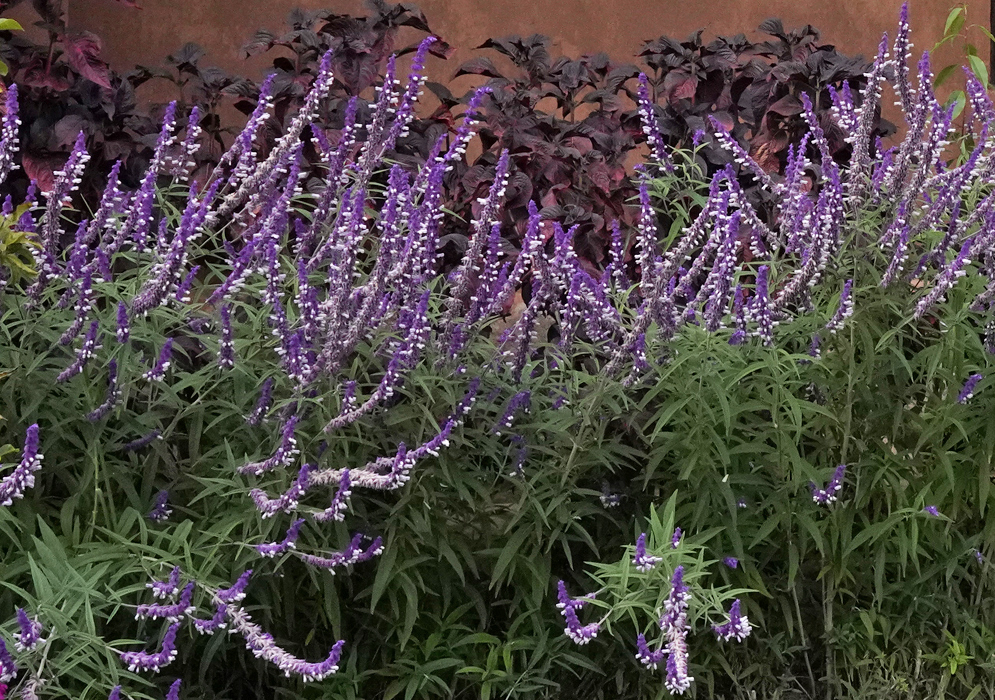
x=578, y=26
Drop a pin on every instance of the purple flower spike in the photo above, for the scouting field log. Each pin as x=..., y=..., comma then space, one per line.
x=143, y=441
x=843, y=311
x=113, y=395
x=162, y=590
x=273, y=549
x=738, y=626
x=158, y=371
x=22, y=478
x=651, y=126
x=174, y=688
x=283, y=455
x=83, y=354
x=217, y=621
x=8, y=133
x=262, y=646
x=182, y=294
x=968, y=391
x=160, y=509
x=287, y=501
x=831, y=492
x=813, y=348
x=646, y=656
x=674, y=626
x=340, y=502
x=237, y=590
x=226, y=353
x=519, y=402
x=352, y=554
x=741, y=503
x=144, y=661
x=676, y=538
x=580, y=634
x=172, y=612
x=262, y=403
x=123, y=327
x=29, y=632
x=731, y=562
x=760, y=308
x=643, y=561
x=8, y=669
x=115, y=693
x=932, y=511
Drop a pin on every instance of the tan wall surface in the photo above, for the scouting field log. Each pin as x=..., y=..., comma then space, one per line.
x=133, y=36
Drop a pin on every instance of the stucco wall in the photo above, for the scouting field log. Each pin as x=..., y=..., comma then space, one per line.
x=578, y=26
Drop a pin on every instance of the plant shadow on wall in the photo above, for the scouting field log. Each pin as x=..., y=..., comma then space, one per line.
x=273, y=439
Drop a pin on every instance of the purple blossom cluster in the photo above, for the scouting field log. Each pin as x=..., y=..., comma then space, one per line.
x=642, y=561
x=160, y=507
x=29, y=632
x=829, y=494
x=580, y=634
x=674, y=625
x=339, y=289
x=153, y=661
x=13, y=485
x=737, y=627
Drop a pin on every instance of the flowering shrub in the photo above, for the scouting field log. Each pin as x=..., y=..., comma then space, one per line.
x=243, y=392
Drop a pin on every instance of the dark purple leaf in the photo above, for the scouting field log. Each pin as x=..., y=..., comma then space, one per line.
x=83, y=53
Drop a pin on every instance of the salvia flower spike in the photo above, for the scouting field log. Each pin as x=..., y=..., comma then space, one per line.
x=643, y=561
x=967, y=392
x=831, y=492
x=737, y=627
x=160, y=509
x=22, y=478
x=29, y=632
x=153, y=661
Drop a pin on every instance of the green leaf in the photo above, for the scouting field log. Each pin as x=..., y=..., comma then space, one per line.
x=979, y=68
x=10, y=25
x=955, y=20
x=510, y=551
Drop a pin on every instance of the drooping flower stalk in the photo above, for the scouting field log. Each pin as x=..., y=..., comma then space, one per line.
x=143, y=441
x=352, y=554
x=578, y=633
x=286, y=502
x=284, y=454
x=273, y=549
x=155, y=661
x=263, y=646
x=169, y=611
x=83, y=354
